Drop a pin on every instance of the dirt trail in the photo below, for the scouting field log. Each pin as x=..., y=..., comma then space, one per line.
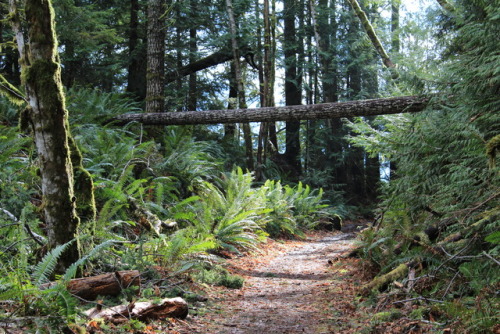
x=287, y=294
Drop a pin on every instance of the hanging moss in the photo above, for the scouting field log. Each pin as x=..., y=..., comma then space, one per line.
x=83, y=185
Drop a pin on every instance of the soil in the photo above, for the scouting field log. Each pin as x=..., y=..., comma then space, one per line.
x=294, y=287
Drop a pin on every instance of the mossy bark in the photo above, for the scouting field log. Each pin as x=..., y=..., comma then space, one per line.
x=41, y=74
x=380, y=281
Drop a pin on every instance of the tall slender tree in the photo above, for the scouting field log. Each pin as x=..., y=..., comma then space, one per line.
x=136, y=77
x=293, y=90
x=239, y=82
x=155, y=77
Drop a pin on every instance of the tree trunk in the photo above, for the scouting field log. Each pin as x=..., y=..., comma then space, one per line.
x=393, y=105
x=155, y=98
x=136, y=83
x=265, y=133
x=293, y=93
x=395, y=40
x=49, y=118
x=230, y=129
x=239, y=84
x=193, y=50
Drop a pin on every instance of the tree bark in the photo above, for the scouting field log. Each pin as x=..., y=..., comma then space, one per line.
x=247, y=136
x=48, y=116
x=144, y=311
x=214, y=59
x=293, y=89
x=109, y=284
x=155, y=99
x=395, y=40
x=136, y=77
x=392, y=105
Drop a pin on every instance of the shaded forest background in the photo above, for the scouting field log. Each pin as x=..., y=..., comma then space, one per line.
x=180, y=196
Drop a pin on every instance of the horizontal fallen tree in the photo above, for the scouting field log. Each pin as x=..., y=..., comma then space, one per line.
x=393, y=105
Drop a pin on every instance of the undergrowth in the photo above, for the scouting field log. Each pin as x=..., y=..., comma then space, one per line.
x=166, y=209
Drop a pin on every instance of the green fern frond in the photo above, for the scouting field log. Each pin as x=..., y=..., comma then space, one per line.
x=45, y=268
x=72, y=270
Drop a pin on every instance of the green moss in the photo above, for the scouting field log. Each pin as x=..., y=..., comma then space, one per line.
x=391, y=315
x=220, y=276
x=83, y=184
x=492, y=146
x=380, y=281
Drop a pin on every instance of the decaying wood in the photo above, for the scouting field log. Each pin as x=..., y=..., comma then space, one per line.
x=109, y=284
x=380, y=281
x=393, y=105
x=166, y=308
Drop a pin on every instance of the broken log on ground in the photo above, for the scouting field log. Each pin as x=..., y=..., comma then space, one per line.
x=381, y=281
x=166, y=308
x=109, y=284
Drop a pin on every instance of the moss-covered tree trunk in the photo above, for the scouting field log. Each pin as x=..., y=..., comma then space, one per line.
x=41, y=75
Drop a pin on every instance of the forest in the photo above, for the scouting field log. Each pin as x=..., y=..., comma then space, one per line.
x=150, y=150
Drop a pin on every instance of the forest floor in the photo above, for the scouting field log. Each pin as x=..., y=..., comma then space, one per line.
x=304, y=286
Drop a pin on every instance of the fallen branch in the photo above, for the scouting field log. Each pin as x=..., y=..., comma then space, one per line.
x=166, y=308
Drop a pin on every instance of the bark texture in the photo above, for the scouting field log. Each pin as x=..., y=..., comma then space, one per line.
x=136, y=78
x=372, y=107
x=41, y=75
x=293, y=87
x=216, y=58
x=247, y=136
x=155, y=99
x=169, y=307
x=109, y=284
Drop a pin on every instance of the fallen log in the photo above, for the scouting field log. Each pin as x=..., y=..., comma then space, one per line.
x=166, y=308
x=380, y=281
x=393, y=105
x=109, y=284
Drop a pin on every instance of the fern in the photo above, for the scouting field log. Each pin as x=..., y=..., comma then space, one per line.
x=72, y=270
x=45, y=268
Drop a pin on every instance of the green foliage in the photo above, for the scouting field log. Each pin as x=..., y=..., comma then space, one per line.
x=92, y=106
x=444, y=178
x=45, y=268
x=292, y=209
x=17, y=170
x=220, y=276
